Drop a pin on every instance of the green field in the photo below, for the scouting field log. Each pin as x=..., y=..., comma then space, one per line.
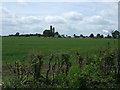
x=17, y=48
x=96, y=59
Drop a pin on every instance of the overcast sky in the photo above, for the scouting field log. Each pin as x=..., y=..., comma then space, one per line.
x=67, y=18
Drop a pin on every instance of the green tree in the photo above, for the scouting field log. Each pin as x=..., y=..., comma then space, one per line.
x=108, y=36
x=17, y=34
x=81, y=35
x=101, y=36
x=98, y=35
x=115, y=34
x=74, y=35
x=91, y=35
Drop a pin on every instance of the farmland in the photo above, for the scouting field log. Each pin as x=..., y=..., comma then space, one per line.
x=60, y=62
x=16, y=48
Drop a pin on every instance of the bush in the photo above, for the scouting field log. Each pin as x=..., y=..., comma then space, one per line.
x=97, y=71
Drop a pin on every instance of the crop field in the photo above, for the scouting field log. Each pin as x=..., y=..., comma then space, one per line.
x=59, y=62
x=16, y=48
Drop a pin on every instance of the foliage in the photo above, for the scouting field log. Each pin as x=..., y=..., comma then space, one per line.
x=91, y=35
x=115, y=34
x=98, y=35
x=98, y=71
x=17, y=34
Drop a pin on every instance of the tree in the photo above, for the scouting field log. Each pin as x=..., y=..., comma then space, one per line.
x=56, y=34
x=74, y=35
x=17, y=34
x=98, y=35
x=115, y=34
x=91, y=35
x=108, y=36
x=63, y=36
x=101, y=36
x=81, y=35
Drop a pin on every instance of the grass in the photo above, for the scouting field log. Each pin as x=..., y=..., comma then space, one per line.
x=99, y=71
x=17, y=48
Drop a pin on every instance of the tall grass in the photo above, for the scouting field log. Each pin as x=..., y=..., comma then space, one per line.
x=101, y=70
x=15, y=48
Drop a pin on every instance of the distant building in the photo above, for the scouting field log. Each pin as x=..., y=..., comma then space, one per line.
x=50, y=32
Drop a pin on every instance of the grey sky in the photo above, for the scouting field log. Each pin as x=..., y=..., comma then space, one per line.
x=68, y=18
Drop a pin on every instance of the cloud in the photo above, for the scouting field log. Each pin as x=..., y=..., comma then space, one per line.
x=5, y=13
x=12, y=24
x=29, y=20
x=74, y=16
x=98, y=20
x=109, y=12
x=105, y=31
x=60, y=0
x=22, y=1
x=55, y=19
x=65, y=23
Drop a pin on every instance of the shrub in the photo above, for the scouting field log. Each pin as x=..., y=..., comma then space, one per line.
x=98, y=71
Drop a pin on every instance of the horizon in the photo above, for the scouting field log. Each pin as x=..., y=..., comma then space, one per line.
x=95, y=35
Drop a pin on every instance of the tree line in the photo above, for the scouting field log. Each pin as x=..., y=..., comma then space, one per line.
x=114, y=34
